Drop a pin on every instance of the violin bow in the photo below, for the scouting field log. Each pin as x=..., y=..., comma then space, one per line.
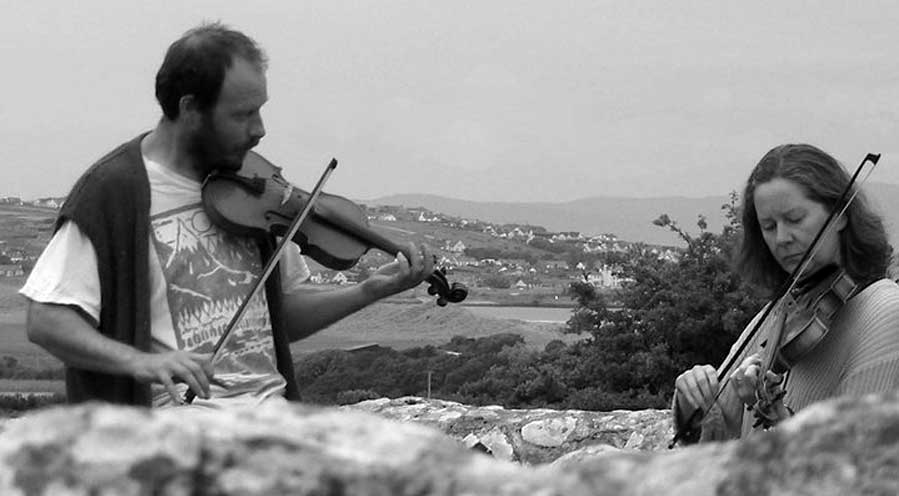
x=835, y=213
x=270, y=264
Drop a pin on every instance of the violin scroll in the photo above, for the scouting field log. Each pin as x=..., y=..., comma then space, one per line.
x=445, y=292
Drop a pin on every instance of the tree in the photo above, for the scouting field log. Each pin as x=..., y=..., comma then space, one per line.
x=673, y=315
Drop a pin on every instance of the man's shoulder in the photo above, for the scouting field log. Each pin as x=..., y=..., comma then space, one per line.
x=118, y=169
x=117, y=178
x=119, y=164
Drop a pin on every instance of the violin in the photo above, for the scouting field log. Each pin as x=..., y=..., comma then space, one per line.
x=807, y=312
x=810, y=309
x=256, y=201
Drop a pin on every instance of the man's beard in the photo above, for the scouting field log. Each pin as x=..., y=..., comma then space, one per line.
x=209, y=153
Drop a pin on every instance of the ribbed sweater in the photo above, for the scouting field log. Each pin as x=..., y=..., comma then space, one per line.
x=859, y=355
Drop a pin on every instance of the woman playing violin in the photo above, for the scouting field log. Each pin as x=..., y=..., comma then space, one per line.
x=786, y=201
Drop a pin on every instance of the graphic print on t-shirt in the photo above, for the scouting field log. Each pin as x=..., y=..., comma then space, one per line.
x=208, y=273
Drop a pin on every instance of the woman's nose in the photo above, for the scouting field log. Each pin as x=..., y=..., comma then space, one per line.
x=784, y=234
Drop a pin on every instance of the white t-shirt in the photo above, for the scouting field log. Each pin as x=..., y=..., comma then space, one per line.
x=199, y=275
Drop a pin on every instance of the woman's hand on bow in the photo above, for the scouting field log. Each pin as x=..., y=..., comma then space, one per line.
x=698, y=387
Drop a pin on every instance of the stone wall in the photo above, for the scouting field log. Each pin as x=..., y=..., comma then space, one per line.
x=835, y=448
x=531, y=436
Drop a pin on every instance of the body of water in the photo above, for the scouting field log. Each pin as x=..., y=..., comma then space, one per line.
x=548, y=315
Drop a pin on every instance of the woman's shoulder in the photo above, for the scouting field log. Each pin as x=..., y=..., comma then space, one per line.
x=882, y=291
x=872, y=327
x=878, y=301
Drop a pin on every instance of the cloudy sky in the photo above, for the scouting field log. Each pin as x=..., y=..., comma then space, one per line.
x=474, y=99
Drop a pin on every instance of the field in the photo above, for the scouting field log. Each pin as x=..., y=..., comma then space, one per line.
x=25, y=229
x=414, y=323
x=13, y=342
x=401, y=326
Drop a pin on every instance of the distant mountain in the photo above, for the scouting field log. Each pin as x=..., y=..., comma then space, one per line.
x=628, y=218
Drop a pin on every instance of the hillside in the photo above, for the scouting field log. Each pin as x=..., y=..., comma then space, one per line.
x=628, y=218
x=25, y=230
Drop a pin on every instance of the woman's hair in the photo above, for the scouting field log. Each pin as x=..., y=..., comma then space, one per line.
x=196, y=63
x=864, y=245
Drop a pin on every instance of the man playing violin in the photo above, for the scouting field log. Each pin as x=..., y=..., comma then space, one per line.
x=786, y=201
x=136, y=284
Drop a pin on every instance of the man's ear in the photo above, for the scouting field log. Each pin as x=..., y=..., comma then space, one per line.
x=189, y=111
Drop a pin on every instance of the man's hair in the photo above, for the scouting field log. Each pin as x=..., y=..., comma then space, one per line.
x=863, y=242
x=196, y=63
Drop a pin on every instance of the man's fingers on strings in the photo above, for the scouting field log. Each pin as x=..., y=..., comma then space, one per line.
x=403, y=262
x=416, y=261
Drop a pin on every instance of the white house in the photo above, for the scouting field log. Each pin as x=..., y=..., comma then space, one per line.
x=458, y=247
x=11, y=270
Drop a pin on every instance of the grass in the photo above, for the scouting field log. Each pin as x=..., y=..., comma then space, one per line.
x=31, y=386
x=408, y=326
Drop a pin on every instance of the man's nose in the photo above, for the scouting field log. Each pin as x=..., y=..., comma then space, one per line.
x=257, y=128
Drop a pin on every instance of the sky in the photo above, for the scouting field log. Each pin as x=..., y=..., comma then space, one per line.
x=512, y=101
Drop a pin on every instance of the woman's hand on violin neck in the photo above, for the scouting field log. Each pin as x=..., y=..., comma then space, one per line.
x=744, y=380
x=697, y=387
x=401, y=274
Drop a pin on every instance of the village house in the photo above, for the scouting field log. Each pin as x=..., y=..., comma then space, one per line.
x=457, y=247
x=48, y=202
x=668, y=255
x=382, y=217
x=422, y=217
x=603, y=277
x=555, y=264
x=11, y=270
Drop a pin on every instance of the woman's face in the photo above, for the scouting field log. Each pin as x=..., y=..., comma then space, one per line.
x=789, y=221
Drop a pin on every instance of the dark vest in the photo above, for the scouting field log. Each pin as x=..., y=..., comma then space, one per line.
x=110, y=203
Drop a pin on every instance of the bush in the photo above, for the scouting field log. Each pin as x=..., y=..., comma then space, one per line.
x=10, y=368
x=354, y=396
x=22, y=402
